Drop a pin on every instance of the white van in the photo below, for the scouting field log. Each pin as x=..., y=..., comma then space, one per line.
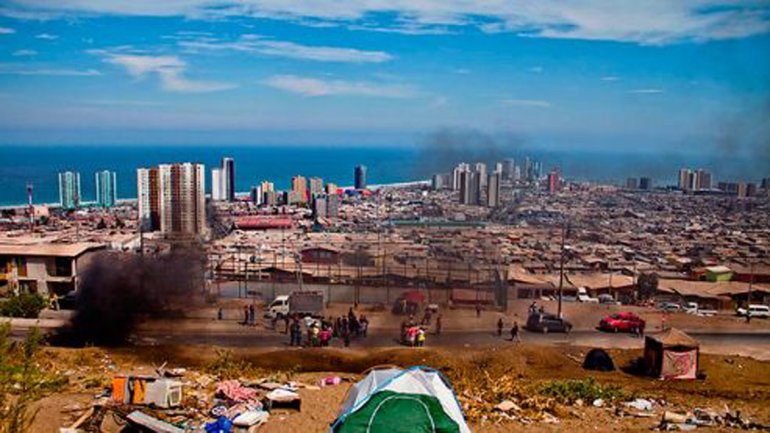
x=755, y=310
x=582, y=296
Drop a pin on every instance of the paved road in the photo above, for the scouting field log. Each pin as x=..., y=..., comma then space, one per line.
x=750, y=344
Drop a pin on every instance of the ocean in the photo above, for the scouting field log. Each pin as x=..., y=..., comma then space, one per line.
x=39, y=165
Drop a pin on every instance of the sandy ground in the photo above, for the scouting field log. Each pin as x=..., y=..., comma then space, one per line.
x=734, y=382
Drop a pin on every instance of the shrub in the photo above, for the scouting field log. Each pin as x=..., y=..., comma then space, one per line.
x=569, y=391
x=27, y=305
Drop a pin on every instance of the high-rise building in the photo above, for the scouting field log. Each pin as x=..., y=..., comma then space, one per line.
x=255, y=195
x=632, y=183
x=743, y=190
x=499, y=167
x=267, y=186
x=316, y=186
x=470, y=189
x=178, y=192
x=360, y=177
x=270, y=198
x=554, y=181
x=702, y=179
x=228, y=179
x=645, y=183
x=461, y=167
x=508, y=168
x=687, y=181
x=466, y=183
x=333, y=205
x=217, y=194
x=148, y=198
x=106, y=192
x=331, y=188
x=766, y=183
x=69, y=189
x=493, y=188
x=319, y=206
x=299, y=188
x=481, y=173
x=751, y=189
x=439, y=181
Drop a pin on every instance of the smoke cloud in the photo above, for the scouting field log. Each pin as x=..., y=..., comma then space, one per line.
x=117, y=290
x=442, y=149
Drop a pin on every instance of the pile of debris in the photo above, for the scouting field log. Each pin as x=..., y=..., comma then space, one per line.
x=177, y=400
x=707, y=418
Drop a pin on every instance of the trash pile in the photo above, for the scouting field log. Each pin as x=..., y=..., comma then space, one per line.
x=178, y=400
x=675, y=421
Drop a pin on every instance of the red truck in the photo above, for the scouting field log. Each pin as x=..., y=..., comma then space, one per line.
x=622, y=322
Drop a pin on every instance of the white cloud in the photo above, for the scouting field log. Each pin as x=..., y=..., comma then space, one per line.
x=526, y=103
x=646, y=22
x=261, y=45
x=610, y=78
x=650, y=91
x=24, y=53
x=461, y=71
x=6, y=31
x=47, y=36
x=11, y=69
x=307, y=86
x=536, y=69
x=169, y=69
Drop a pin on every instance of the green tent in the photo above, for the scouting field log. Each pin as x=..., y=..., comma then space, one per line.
x=393, y=400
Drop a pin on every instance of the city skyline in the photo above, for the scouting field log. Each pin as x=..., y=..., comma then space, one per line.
x=358, y=73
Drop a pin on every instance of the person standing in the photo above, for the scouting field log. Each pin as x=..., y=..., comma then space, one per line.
x=245, y=315
x=515, y=333
x=420, y=337
x=500, y=327
x=220, y=314
x=438, y=324
x=478, y=309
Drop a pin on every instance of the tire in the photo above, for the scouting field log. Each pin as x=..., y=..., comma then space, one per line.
x=568, y=329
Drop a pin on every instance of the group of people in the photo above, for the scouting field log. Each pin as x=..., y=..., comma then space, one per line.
x=534, y=309
x=414, y=334
x=514, y=330
x=249, y=315
x=320, y=332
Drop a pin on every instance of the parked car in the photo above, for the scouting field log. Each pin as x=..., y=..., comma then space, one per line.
x=546, y=323
x=622, y=322
x=670, y=307
x=696, y=310
x=755, y=310
x=583, y=296
x=607, y=300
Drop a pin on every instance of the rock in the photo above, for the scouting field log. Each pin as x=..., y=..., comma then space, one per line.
x=598, y=402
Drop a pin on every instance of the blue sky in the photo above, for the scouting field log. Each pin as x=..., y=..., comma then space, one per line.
x=615, y=74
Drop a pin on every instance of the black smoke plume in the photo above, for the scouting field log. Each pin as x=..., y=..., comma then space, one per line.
x=118, y=290
x=444, y=148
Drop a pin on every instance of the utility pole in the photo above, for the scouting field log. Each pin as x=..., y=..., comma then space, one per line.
x=748, y=295
x=561, y=265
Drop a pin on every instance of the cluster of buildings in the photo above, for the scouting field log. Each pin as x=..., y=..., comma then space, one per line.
x=700, y=181
x=479, y=187
x=446, y=235
x=70, y=196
